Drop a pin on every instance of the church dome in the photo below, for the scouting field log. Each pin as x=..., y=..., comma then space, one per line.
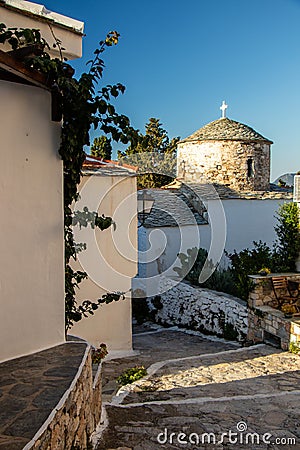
x=225, y=129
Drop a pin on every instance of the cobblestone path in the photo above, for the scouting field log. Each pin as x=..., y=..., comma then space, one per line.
x=202, y=394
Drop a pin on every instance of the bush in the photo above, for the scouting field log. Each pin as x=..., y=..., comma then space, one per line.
x=235, y=280
x=247, y=262
x=140, y=310
x=282, y=258
x=191, y=266
x=131, y=375
x=287, y=245
x=230, y=333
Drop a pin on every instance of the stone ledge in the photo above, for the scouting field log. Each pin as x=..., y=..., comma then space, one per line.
x=48, y=401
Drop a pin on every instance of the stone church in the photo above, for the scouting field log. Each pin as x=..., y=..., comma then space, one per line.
x=222, y=191
x=226, y=152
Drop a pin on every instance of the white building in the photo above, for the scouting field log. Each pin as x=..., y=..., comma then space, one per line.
x=110, y=259
x=31, y=192
x=222, y=200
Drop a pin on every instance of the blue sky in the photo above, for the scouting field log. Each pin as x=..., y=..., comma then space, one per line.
x=180, y=59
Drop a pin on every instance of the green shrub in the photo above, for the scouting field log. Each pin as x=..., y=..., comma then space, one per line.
x=249, y=262
x=140, y=310
x=287, y=246
x=131, y=375
x=235, y=280
x=282, y=258
x=191, y=266
x=294, y=348
x=230, y=333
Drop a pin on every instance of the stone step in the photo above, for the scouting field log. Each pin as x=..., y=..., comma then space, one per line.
x=261, y=369
x=252, y=388
x=140, y=427
x=154, y=345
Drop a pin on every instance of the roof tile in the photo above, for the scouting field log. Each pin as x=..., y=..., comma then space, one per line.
x=226, y=129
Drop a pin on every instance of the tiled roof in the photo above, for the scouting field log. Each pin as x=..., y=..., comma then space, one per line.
x=226, y=129
x=171, y=209
x=101, y=167
x=215, y=191
x=173, y=206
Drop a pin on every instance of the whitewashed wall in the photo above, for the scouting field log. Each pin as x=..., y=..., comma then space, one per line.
x=246, y=221
x=110, y=259
x=68, y=31
x=202, y=310
x=31, y=223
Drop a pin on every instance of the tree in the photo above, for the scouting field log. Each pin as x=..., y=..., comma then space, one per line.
x=154, y=154
x=101, y=147
x=287, y=245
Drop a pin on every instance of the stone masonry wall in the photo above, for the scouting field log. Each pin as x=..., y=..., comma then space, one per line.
x=225, y=162
x=200, y=309
x=262, y=293
x=267, y=324
x=71, y=424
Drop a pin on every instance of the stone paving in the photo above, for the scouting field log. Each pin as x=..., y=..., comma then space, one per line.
x=197, y=389
x=30, y=388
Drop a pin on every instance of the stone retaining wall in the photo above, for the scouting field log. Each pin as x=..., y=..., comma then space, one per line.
x=72, y=422
x=263, y=293
x=267, y=324
x=204, y=310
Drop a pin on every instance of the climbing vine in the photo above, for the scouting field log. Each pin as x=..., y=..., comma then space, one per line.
x=82, y=107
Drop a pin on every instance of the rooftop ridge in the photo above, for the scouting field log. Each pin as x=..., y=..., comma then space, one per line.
x=39, y=11
x=226, y=129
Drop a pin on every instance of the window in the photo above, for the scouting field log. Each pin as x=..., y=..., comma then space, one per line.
x=250, y=169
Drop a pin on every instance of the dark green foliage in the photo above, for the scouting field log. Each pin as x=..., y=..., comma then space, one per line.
x=154, y=154
x=83, y=105
x=192, y=264
x=140, y=310
x=280, y=259
x=287, y=245
x=230, y=333
x=235, y=280
x=131, y=375
x=155, y=140
x=249, y=262
x=21, y=37
x=101, y=147
x=156, y=302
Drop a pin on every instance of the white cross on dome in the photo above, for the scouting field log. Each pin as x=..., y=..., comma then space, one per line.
x=223, y=109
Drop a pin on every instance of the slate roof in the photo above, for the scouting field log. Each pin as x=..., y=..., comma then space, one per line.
x=171, y=209
x=226, y=129
x=215, y=191
x=99, y=167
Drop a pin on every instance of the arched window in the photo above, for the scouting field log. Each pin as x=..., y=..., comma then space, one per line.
x=250, y=168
